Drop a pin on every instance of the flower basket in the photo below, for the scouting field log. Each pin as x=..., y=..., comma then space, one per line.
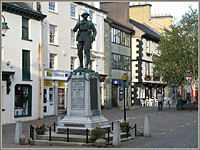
x=125, y=126
x=97, y=133
x=40, y=129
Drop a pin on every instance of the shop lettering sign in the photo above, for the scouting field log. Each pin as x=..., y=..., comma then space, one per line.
x=55, y=75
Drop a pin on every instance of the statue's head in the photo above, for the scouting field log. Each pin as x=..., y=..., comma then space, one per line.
x=85, y=15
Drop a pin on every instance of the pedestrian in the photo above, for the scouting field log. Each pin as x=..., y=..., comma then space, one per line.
x=160, y=101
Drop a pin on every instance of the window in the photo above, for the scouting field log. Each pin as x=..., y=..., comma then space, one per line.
x=147, y=68
x=73, y=40
x=23, y=101
x=148, y=46
x=117, y=62
x=52, y=58
x=52, y=6
x=90, y=15
x=127, y=63
x=120, y=37
x=73, y=11
x=25, y=28
x=25, y=65
x=52, y=33
x=72, y=63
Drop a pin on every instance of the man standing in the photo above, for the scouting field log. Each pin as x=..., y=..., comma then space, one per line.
x=160, y=101
x=86, y=35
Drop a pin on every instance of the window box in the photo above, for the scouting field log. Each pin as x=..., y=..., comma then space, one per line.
x=148, y=54
x=147, y=77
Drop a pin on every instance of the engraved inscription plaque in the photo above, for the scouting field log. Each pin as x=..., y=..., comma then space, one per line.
x=78, y=94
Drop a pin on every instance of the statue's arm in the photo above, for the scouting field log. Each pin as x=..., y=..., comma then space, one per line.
x=76, y=27
x=94, y=30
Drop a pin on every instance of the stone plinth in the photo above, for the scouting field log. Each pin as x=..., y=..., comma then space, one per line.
x=84, y=107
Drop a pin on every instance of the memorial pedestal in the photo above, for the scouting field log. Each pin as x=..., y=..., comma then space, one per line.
x=84, y=107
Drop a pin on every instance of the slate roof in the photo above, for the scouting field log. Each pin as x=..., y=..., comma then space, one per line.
x=147, y=30
x=22, y=9
x=119, y=26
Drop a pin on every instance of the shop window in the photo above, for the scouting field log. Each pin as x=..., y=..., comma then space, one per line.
x=23, y=100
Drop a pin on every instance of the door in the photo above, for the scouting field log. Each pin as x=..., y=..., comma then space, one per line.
x=61, y=100
x=114, y=96
x=48, y=102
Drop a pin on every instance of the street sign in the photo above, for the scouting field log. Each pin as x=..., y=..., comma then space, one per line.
x=124, y=78
x=188, y=79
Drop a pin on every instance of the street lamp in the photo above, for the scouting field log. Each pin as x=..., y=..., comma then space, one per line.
x=126, y=63
x=4, y=25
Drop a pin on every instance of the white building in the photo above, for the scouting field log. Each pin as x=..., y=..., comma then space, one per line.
x=145, y=83
x=20, y=67
x=60, y=49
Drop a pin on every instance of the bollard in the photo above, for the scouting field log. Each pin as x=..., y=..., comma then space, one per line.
x=58, y=122
x=18, y=131
x=116, y=134
x=147, y=129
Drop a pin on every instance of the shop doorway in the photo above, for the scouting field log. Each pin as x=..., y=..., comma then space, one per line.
x=61, y=100
x=114, y=96
x=48, y=101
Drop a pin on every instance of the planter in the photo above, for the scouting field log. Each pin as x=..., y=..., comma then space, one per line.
x=40, y=131
x=124, y=128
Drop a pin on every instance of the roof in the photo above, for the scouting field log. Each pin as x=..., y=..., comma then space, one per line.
x=119, y=26
x=92, y=7
x=146, y=29
x=140, y=5
x=20, y=8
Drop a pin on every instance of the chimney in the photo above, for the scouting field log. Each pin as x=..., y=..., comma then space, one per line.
x=118, y=11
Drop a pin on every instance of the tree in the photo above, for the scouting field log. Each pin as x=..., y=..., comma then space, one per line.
x=178, y=49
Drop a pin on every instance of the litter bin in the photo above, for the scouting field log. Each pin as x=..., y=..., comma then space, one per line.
x=179, y=104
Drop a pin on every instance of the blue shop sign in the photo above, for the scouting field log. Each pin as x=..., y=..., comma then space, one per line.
x=116, y=81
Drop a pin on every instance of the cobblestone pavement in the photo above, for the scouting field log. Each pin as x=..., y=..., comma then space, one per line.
x=169, y=128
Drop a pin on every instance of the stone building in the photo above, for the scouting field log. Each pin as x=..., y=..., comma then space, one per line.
x=117, y=44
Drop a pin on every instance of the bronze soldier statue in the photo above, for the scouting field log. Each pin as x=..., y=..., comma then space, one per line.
x=86, y=35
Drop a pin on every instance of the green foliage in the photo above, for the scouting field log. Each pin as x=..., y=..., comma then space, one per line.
x=124, y=124
x=97, y=133
x=178, y=49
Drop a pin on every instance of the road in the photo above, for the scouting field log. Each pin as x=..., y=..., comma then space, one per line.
x=169, y=128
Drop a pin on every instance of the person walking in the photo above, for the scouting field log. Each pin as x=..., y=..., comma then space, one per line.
x=160, y=101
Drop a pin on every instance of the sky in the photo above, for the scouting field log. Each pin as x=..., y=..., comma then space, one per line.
x=176, y=9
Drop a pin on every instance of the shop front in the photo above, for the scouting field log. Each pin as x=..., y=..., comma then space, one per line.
x=117, y=93
x=55, y=92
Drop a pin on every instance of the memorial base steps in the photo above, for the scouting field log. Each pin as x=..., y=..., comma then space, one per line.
x=74, y=139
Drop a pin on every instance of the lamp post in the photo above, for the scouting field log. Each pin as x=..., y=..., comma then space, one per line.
x=126, y=63
x=4, y=26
